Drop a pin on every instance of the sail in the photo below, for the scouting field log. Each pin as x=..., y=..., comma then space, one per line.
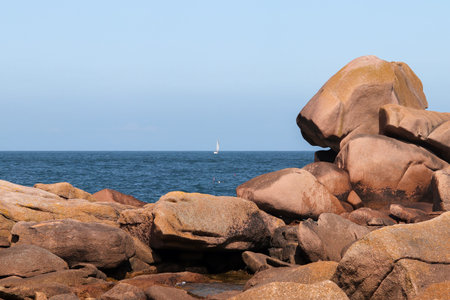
x=217, y=147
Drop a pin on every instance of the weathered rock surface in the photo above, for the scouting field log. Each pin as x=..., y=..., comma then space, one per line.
x=109, y=195
x=348, y=103
x=124, y=291
x=70, y=296
x=429, y=129
x=435, y=291
x=5, y=231
x=20, y=203
x=199, y=222
x=306, y=274
x=408, y=215
x=257, y=261
x=170, y=279
x=144, y=252
x=293, y=291
x=65, y=190
x=77, y=242
x=284, y=245
x=380, y=179
x=30, y=291
x=333, y=178
x=28, y=261
x=354, y=200
x=329, y=237
x=291, y=193
x=395, y=258
x=440, y=185
x=158, y=292
x=367, y=216
x=138, y=222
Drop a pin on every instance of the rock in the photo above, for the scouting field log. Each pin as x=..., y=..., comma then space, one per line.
x=366, y=216
x=138, y=266
x=138, y=222
x=92, y=291
x=349, y=102
x=158, y=292
x=293, y=291
x=429, y=129
x=30, y=291
x=306, y=274
x=291, y=193
x=28, y=260
x=408, y=215
x=108, y=195
x=199, y=222
x=403, y=176
x=77, y=242
x=65, y=190
x=325, y=155
x=170, y=279
x=440, y=185
x=145, y=253
x=333, y=178
x=257, y=261
x=124, y=291
x=223, y=296
x=354, y=200
x=5, y=231
x=21, y=203
x=284, y=245
x=329, y=237
x=70, y=296
x=400, y=255
x=435, y=291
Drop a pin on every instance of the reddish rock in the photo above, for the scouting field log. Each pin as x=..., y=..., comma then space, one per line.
x=354, y=200
x=333, y=178
x=138, y=222
x=158, y=292
x=408, y=215
x=397, y=261
x=124, y=291
x=77, y=242
x=291, y=193
x=193, y=221
x=65, y=190
x=379, y=179
x=430, y=129
x=28, y=261
x=108, y=195
x=368, y=216
x=348, y=103
x=440, y=185
x=257, y=261
x=329, y=237
x=306, y=274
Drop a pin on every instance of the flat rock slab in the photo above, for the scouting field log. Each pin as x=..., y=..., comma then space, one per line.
x=77, y=242
x=65, y=190
x=293, y=291
x=384, y=170
x=373, y=263
x=430, y=129
x=199, y=222
x=28, y=261
x=348, y=103
x=291, y=193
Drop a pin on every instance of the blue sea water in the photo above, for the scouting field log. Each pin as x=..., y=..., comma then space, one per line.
x=147, y=175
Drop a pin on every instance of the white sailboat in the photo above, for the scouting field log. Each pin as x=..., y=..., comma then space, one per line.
x=217, y=147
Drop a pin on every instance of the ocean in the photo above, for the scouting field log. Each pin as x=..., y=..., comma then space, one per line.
x=147, y=175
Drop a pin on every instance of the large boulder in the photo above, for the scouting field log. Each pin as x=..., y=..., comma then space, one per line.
x=333, y=178
x=138, y=222
x=306, y=274
x=28, y=261
x=291, y=193
x=348, y=103
x=384, y=170
x=65, y=190
x=77, y=242
x=109, y=195
x=20, y=203
x=329, y=237
x=293, y=291
x=398, y=260
x=200, y=222
x=440, y=185
x=430, y=129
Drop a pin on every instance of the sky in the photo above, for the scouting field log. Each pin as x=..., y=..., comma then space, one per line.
x=178, y=75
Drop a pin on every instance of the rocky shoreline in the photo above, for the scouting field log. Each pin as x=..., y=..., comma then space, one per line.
x=367, y=220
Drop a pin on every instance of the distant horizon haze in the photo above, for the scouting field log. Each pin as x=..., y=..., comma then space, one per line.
x=178, y=75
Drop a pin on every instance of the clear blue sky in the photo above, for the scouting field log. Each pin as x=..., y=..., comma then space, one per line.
x=177, y=75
